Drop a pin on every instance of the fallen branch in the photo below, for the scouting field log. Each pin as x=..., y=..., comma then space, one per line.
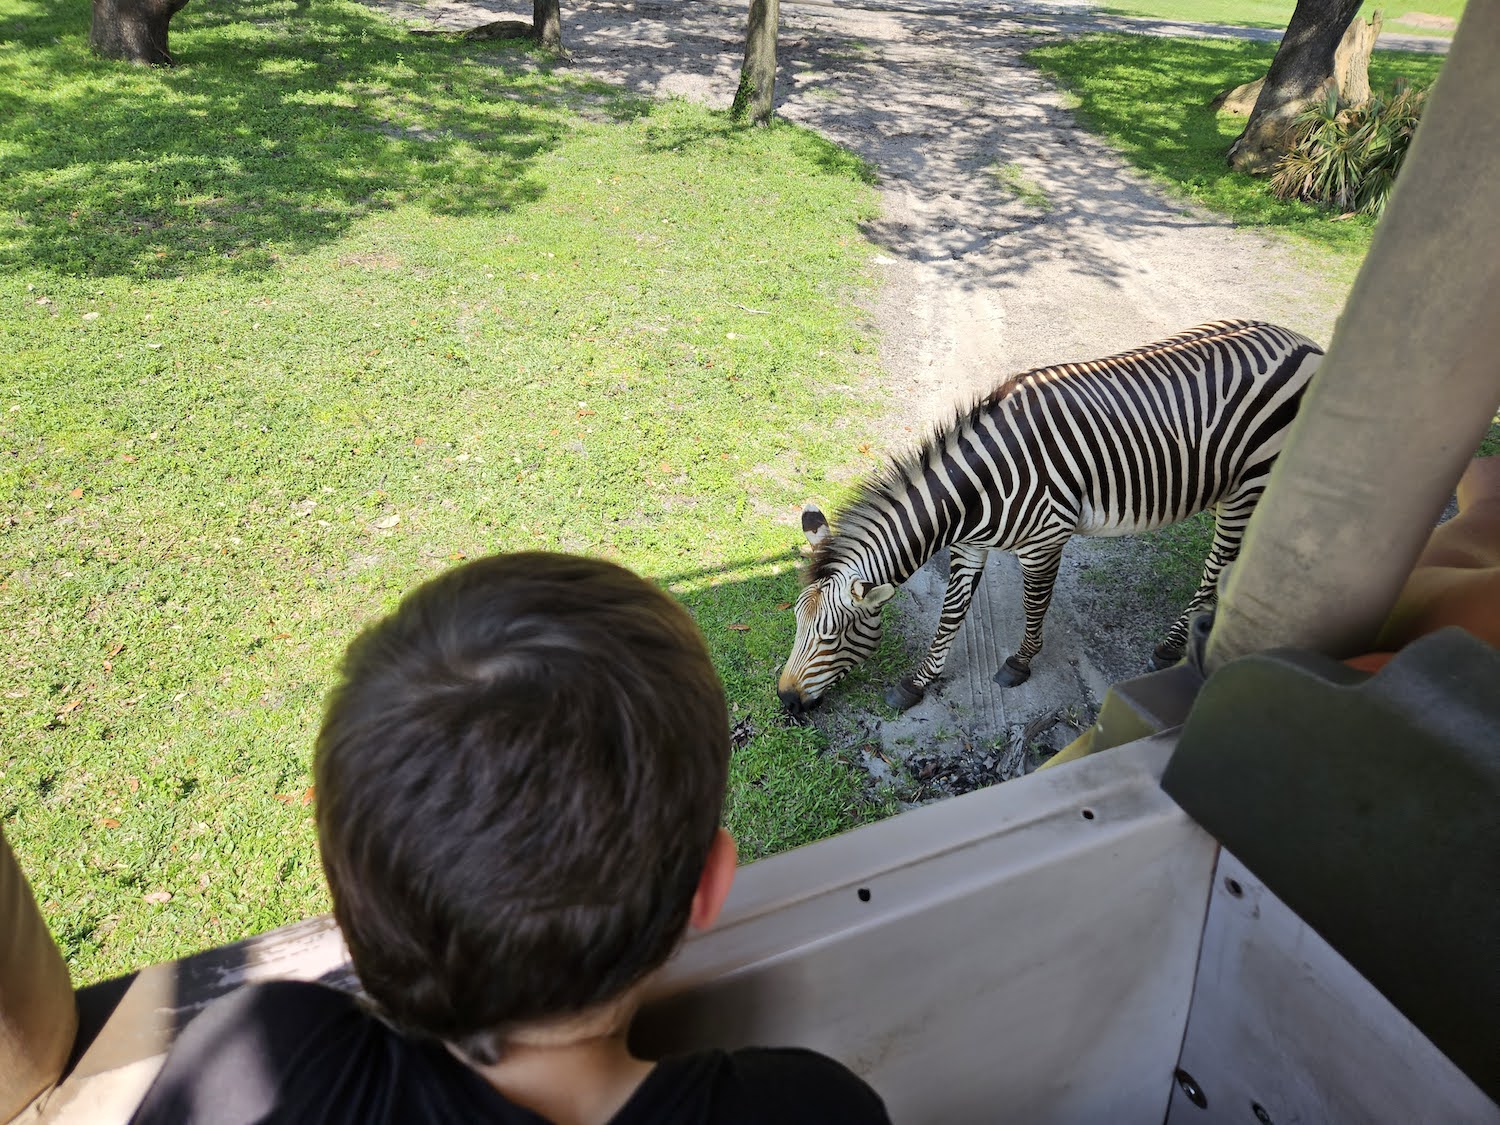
x=498, y=29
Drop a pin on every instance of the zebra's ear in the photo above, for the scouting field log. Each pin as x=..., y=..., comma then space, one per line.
x=815, y=526
x=871, y=597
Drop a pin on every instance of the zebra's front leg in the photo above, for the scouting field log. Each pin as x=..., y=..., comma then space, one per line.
x=965, y=568
x=1231, y=516
x=1039, y=563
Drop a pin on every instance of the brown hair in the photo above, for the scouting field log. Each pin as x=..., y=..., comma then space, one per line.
x=518, y=780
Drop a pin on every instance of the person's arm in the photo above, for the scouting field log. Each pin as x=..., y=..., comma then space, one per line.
x=1457, y=577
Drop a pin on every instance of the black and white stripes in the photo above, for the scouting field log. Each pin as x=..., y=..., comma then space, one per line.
x=1110, y=447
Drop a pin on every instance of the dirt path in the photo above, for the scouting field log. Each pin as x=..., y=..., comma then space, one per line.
x=1009, y=239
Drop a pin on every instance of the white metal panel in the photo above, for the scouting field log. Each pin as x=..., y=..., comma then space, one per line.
x=1024, y=953
x=1284, y=1031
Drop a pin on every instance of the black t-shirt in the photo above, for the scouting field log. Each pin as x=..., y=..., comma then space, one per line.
x=292, y=1053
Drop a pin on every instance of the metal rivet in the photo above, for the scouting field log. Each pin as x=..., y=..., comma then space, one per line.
x=1260, y=1113
x=1232, y=885
x=1190, y=1089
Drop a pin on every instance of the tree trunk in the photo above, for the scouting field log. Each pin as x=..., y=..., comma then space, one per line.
x=1351, y=70
x=1351, y=62
x=1240, y=100
x=1302, y=68
x=756, y=96
x=546, y=23
x=133, y=30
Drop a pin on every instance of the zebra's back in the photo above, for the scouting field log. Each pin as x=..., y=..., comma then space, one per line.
x=1127, y=443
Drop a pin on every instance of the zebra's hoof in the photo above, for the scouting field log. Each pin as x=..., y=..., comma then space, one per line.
x=1012, y=673
x=903, y=695
x=1164, y=656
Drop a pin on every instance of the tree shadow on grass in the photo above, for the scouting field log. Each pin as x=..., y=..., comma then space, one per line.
x=820, y=153
x=284, y=125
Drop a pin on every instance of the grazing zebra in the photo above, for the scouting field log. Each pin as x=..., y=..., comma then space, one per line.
x=1125, y=444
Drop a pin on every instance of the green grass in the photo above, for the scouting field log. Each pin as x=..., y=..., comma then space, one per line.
x=1490, y=446
x=1278, y=13
x=1149, y=97
x=1171, y=560
x=317, y=313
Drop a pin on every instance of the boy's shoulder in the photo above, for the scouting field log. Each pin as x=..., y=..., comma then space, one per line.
x=754, y=1085
x=271, y=1052
x=288, y=1052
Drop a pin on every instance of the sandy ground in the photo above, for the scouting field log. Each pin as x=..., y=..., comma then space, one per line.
x=978, y=281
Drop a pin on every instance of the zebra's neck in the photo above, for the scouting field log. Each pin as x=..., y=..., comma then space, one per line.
x=889, y=535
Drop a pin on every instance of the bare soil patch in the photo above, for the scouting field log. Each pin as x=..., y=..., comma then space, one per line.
x=1428, y=20
x=1009, y=238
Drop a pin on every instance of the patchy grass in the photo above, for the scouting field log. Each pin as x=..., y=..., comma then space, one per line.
x=1157, y=570
x=1013, y=178
x=1490, y=446
x=319, y=312
x=1149, y=96
x=1405, y=18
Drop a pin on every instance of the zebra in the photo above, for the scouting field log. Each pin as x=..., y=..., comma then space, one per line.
x=1119, y=445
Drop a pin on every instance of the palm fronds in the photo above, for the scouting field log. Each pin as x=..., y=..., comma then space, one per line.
x=1347, y=157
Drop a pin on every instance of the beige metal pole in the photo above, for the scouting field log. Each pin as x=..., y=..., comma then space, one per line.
x=37, y=1014
x=1411, y=381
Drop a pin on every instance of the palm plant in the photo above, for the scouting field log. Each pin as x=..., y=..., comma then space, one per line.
x=1347, y=157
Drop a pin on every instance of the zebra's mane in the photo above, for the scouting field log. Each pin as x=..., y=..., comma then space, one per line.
x=884, y=484
x=891, y=479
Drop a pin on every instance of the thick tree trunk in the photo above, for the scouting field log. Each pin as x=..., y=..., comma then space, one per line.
x=546, y=23
x=133, y=30
x=756, y=96
x=1302, y=68
x=1351, y=70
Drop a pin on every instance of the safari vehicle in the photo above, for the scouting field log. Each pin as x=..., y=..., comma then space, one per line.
x=1263, y=888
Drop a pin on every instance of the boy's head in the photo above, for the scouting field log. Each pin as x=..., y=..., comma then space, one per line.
x=519, y=780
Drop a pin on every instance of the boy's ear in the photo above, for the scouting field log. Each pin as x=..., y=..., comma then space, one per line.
x=714, y=883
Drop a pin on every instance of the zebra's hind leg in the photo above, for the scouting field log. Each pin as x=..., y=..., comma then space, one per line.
x=1230, y=517
x=1039, y=563
x=965, y=568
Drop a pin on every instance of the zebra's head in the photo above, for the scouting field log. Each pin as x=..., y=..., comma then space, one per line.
x=838, y=620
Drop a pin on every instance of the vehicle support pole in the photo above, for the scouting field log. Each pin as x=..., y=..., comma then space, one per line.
x=38, y=1017
x=1405, y=395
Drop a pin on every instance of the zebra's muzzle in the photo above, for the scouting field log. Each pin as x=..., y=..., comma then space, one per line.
x=794, y=704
